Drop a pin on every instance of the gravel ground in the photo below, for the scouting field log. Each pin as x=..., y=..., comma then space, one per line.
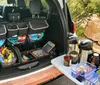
x=61, y=81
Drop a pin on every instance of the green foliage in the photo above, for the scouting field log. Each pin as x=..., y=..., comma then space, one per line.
x=3, y=1
x=83, y=8
x=80, y=30
x=27, y=2
x=44, y=3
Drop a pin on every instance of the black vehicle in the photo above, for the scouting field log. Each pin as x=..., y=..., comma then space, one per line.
x=32, y=32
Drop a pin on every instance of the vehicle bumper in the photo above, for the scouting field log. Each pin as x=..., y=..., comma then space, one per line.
x=34, y=78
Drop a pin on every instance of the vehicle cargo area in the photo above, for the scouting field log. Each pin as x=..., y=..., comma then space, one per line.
x=30, y=36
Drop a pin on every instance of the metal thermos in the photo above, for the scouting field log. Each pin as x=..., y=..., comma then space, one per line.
x=73, y=41
x=85, y=47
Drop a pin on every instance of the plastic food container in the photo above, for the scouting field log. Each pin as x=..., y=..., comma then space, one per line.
x=93, y=79
x=82, y=70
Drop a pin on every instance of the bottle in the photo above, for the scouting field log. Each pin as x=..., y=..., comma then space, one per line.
x=95, y=59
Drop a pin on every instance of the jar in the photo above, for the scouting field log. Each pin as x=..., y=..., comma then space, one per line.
x=95, y=59
x=74, y=57
x=67, y=60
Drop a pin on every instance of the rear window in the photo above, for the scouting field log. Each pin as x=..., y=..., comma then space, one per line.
x=3, y=2
x=20, y=6
x=45, y=5
x=27, y=2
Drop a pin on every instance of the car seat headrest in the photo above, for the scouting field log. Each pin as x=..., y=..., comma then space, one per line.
x=11, y=1
x=35, y=7
x=21, y=3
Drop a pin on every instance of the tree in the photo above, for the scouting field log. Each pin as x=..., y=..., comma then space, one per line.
x=85, y=3
x=83, y=8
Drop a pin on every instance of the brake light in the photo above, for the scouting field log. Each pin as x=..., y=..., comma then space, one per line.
x=74, y=27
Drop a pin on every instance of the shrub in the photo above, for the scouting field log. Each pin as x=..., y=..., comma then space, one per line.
x=80, y=30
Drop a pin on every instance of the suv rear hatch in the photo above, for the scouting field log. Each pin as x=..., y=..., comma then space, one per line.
x=32, y=26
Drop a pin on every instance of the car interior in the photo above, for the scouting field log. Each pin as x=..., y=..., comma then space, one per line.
x=31, y=34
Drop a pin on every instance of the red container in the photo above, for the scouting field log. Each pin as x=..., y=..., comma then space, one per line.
x=67, y=60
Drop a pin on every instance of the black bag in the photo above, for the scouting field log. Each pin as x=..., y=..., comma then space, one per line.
x=37, y=25
x=15, y=60
x=12, y=30
x=22, y=28
x=3, y=32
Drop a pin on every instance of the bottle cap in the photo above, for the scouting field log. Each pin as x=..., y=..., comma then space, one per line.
x=95, y=54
